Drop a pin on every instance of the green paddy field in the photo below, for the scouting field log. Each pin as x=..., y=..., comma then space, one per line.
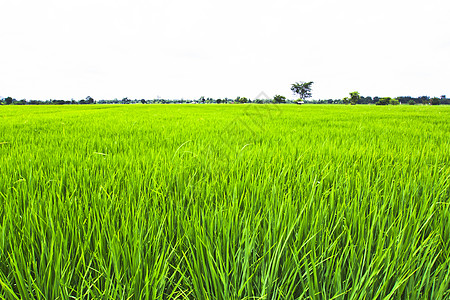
x=224, y=202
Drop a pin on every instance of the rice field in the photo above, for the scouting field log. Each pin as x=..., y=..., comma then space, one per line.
x=224, y=202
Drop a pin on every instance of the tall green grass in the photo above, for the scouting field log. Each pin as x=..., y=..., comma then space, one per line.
x=224, y=202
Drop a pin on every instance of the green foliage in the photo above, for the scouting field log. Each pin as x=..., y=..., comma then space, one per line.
x=8, y=100
x=394, y=102
x=20, y=102
x=241, y=100
x=224, y=202
x=434, y=101
x=89, y=100
x=346, y=100
x=279, y=99
x=384, y=101
x=411, y=102
x=387, y=101
x=354, y=97
x=303, y=89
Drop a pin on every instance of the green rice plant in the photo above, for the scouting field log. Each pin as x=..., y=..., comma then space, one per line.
x=224, y=202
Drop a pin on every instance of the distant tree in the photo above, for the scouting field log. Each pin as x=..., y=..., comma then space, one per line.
x=444, y=100
x=126, y=100
x=241, y=100
x=279, y=99
x=218, y=101
x=9, y=100
x=394, y=102
x=424, y=99
x=411, y=102
x=384, y=101
x=434, y=101
x=354, y=97
x=346, y=100
x=202, y=99
x=58, y=102
x=89, y=100
x=302, y=89
x=365, y=100
x=404, y=99
x=143, y=101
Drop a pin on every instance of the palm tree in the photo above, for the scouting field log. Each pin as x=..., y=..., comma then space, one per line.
x=302, y=89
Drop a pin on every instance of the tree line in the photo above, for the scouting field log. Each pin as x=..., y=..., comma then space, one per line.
x=302, y=89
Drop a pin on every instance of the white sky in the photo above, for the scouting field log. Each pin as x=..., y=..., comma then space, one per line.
x=107, y=49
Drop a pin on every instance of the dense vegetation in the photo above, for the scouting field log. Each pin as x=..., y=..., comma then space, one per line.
x=263, y=100
x=225, y=202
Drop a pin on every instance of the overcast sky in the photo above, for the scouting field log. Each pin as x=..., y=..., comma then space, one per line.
x=61, y=49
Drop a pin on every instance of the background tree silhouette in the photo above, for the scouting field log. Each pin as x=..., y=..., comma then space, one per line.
x=9, y=100
x=354, y=97
x=302, y=89
x=279, y=99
